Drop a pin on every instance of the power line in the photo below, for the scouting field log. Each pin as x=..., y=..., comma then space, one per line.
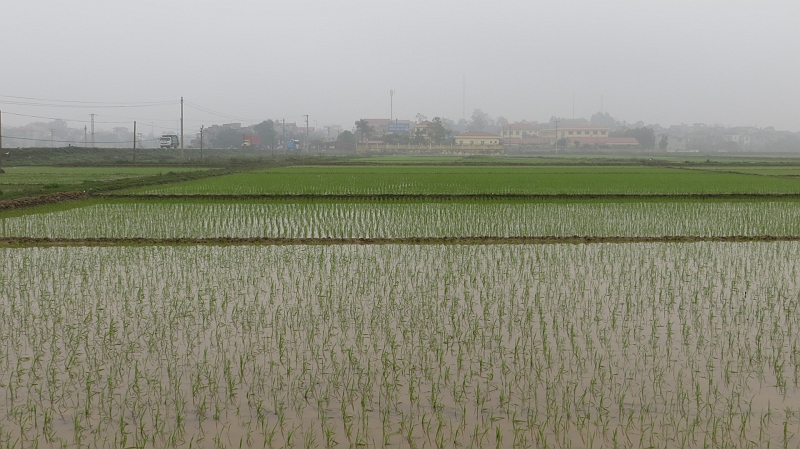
x=221, y=114
x=58, y=118
x=67, y=141
x=135, y=103
x=139, y=118
x=94, y=106
x=108, y=122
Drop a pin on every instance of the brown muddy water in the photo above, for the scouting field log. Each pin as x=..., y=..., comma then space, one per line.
x=619, y=344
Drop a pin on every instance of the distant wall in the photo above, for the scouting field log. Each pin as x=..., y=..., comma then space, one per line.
x=378, y=148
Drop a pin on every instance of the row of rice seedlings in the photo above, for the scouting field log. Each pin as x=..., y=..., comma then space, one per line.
x=635, y=345
x=480, y=180
x=377, y=220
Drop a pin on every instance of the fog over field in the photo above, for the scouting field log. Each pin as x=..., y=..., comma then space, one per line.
x=733, y=63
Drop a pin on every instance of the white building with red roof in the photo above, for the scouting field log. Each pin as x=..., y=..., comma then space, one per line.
x=605, y=142
x=519, y=131
x=570, y=131
x=477, y=138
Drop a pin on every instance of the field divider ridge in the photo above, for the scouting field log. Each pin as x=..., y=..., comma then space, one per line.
x=455, y=196
x=30, y=242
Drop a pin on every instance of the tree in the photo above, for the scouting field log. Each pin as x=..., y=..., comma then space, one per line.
x=266, y=132
x=664, y=142
x=603, y=119
x=480, y=121
x=346, y=136
x=396, y=138
x=420, y=117
x=437, y=132
x=449, y=124
x=227, y=138
x=362, y=126
x=501, y=121
x=644, y=135
x=346, y=140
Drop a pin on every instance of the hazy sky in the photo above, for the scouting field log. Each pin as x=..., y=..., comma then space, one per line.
x=667, y=62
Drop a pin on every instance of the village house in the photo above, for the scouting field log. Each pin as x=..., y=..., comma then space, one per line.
x=477, y=138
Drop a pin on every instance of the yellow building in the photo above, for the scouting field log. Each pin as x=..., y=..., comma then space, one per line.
x=570, y=131
x=422, y=131
x=519, y=131
x=477, y=138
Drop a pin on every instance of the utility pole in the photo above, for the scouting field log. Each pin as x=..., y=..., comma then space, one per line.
x=201, y=143
x=391, y=104
x=181, y=126
x=92, y=129
x=573, y=105
x=308, y=147
x=85, y=141
x=134, y=141
x=283, y=133
x=464, y=98
x=556, y=136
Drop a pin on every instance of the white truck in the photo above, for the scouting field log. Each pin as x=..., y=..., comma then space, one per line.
x=169, y=141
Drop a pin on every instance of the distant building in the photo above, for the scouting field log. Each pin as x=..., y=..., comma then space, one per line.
x=731, y=138
x=477, y=138
x=699, y=140
x=333, y=131
x=674, y=144
x=572, y=131
x=602, y=142
x=524, y=135
x=519, y=131
x=422, y=131
x=383, y=126
x=530, y=142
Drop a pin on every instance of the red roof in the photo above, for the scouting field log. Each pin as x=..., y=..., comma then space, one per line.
x=598, y=127
x=477, y=134
x=605, y=140
x=526, y=141
x=384, y=121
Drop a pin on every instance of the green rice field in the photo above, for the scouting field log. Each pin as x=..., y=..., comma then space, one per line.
x=764, y=171
x=357, y=180
x=36, y=177
x=129, y=321
x=206, y=219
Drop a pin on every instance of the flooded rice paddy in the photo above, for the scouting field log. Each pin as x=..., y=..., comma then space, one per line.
x=606, y=345
x=397, y=220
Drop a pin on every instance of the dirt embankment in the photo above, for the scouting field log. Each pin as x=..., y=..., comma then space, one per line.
x=26, y=242
x=42, y=199
x=456, y=196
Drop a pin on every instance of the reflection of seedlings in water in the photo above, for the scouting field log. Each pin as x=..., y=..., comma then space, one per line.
x=401, y=345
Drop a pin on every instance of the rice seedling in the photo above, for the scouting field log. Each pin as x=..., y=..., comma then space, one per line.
x=611, y=345
x=410, y=219
x=350, y=180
